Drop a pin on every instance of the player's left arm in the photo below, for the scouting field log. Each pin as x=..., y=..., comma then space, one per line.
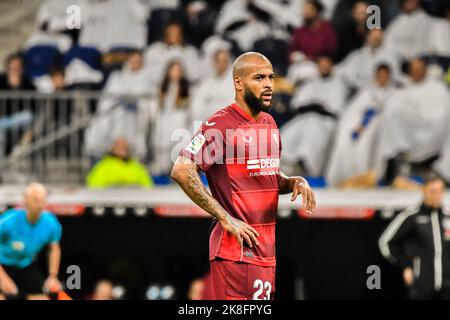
x=297, y=185
x=54, y=259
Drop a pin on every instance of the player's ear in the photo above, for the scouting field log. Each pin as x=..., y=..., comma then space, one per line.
x=237, y=83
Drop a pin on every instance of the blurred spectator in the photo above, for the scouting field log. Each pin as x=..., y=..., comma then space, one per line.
x=173, y=115
x=196, y=289
x=209, y=49
x=240, y=24
x=316, y=37
x=15, y=79
x=358, y=68
x=159, y=54
x=246, y=21
x=54, y=81
x=283, y=13
x=119, y=169
x=408, y=35
x=134, y=78
x=351, y=160
x=200, y=20
x=352, y=31
x=51, y=25
x=307, y=137
x=439, y=35
x=216, y=91
x=52, y=17
x=125, y=109
x=414, y=125
x=112, y=24
x=103, y=291
x=16, y=112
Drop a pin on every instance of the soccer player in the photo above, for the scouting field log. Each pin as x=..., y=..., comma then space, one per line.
x=239, y=148
x=23, y=233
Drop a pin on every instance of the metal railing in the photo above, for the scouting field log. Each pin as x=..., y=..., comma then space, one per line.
x=42, y=136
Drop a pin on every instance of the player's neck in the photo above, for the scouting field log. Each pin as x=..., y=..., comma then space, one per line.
x=32, y=217
x=244, y=106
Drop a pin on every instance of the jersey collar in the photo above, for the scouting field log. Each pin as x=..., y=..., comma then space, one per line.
x=244, y=114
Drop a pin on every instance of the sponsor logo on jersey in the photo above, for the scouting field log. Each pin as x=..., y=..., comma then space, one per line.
x=268, y=163
x=17, y=245
x=249, y=254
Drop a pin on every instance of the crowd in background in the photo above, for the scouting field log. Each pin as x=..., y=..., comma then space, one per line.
x=356, y=106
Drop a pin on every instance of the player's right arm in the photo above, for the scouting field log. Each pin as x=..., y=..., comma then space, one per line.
x=7, y=285
x=185, y=173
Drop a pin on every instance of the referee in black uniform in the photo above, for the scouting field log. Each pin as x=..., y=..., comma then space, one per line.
x=418, y=241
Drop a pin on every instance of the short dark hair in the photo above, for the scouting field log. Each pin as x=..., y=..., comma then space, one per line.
x=11, y=57
x=317, y=5
x=57, y=69
x=325, y=56
x=383, y=66
x=432, y=178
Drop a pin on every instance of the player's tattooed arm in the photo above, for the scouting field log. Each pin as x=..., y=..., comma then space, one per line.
x=297, y=185
x=185, y=173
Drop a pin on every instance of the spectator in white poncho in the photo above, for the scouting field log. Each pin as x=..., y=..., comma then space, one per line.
x=351, y=161
x=172, y=118
x=125, y=110
x=358, y=68
x=414, y=125
x=214, y=92
x=161, y=53
x=408, y=35
x=307, y=137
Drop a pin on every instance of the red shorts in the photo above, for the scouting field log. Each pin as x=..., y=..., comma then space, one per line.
x=231, y=280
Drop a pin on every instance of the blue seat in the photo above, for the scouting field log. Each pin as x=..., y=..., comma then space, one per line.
x=40, y=59
x=89, y=55
x=317, y=182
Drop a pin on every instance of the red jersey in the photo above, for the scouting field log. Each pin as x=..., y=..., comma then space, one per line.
x=241, y=159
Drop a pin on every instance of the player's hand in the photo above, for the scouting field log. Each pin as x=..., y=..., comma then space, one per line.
x=408, y=276
x=241, y=231
x=302, y=187
x=52, y=284
x=8, y=286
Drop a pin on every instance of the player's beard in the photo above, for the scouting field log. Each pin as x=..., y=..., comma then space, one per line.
x=255, y=104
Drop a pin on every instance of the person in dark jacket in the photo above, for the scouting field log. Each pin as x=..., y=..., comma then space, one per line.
x=14, y=78
x=418, y=241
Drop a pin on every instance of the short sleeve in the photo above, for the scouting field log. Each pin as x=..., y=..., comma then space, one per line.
x=2, y=232
x=57, y=232
x=206, y=147
x=3, y=226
